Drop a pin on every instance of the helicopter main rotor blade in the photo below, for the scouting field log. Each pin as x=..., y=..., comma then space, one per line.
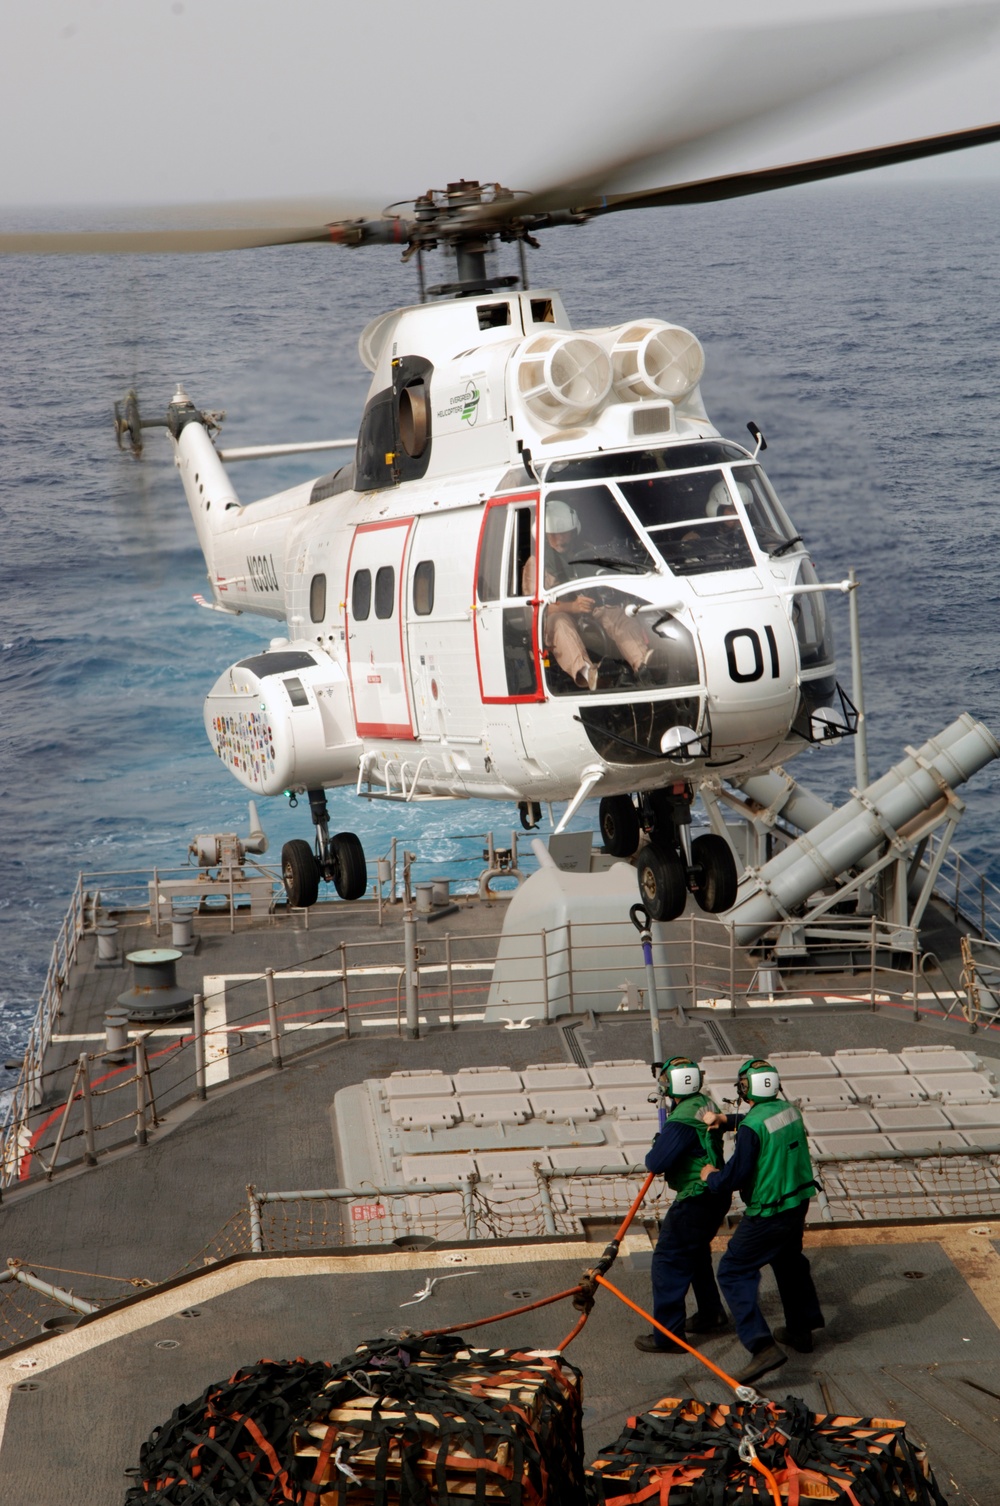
x=764, y=179
x=821, y=65
x=191, y=228
x=145, y=242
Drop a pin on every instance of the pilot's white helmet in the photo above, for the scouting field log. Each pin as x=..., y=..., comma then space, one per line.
x=561, y=518
x=719, y=498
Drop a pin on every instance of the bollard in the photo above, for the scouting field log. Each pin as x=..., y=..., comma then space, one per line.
x=199, y=1047
x=441, y=891
x=107, y=942
x=412, y=976
x=116, y=1035
x=272, y=1018
x=181, y=928
x=424, y=893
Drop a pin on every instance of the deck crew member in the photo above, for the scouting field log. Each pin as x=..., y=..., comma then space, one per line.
x=561, y=633
x=773, y=1171
x=685, y=1147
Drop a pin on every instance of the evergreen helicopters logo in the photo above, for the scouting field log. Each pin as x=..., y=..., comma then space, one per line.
x=464, y=405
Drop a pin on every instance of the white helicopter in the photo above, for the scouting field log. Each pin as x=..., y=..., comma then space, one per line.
x=543, y=576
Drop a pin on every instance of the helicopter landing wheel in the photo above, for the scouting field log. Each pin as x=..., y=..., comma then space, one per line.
x=662, y=883
x=347, y=859
x=300, y=874
x=718, y=880
x=619, y=822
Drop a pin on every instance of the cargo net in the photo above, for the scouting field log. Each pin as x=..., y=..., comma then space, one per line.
x=925, y=1187
x=411, y=1420
x=686, y=1453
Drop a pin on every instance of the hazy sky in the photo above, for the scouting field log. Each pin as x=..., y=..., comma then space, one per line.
x=154, y=101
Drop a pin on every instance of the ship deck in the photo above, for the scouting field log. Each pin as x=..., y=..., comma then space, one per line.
x=913, y=1307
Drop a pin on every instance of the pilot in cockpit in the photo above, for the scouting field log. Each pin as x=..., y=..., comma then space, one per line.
x=561, y=634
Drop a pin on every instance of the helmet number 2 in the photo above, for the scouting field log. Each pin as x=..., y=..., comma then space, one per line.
x=745, y=655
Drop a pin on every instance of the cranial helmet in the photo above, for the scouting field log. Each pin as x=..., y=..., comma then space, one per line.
x=561, y=518
x=680, y=1077
x=720, y=499
x=758, y=1081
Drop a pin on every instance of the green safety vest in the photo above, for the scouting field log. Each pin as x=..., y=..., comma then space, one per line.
x=685, y=1176
x=784, y=1176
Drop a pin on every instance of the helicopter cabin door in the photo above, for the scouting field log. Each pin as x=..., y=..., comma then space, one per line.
x=506, y=615
x=375, y=651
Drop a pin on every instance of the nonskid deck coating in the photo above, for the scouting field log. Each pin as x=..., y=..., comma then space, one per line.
x=79, y=1404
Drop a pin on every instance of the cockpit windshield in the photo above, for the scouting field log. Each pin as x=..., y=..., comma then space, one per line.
x=586, y=533
x=768, y=519
x=692, y=519
x=702, y=505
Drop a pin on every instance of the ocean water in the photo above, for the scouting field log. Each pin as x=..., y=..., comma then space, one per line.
x=859, y=325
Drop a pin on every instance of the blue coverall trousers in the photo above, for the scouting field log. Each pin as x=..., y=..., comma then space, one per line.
x=683, y=1258
x=775, y=1241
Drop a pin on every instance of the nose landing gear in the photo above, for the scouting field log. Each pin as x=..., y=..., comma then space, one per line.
x=339, y=859
x=671, y=864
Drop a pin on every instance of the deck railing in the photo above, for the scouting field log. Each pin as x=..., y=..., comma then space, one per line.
x=98, y=1098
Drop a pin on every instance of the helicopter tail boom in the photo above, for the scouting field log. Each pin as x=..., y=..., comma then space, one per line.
x=244, y=548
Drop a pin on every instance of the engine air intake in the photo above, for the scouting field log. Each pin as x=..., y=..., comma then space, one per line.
x=563, y=378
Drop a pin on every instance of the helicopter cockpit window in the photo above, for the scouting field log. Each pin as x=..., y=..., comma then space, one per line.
x=599, y=539
x=811, y=621
x=317, y=598
x=640, y=462
x=361, y=595
x=423, y=588
x=385, y=591
x=771, y=525
x=692, y=519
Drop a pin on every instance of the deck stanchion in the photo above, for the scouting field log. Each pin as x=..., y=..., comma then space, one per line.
x=89, y=1142
x=545, y=1197
x=140, y=1094
x=200, y=1082
x=256, y=1232
x=272, y=1019
x=451, y=980
x=468, y=1207
x=913, y=979
x=412, y=976
x=64, y=1121
x=732, y=969
x=545, y=973
x=871, y=969
x=344, y=999
x=569, y=965
x=156, y=901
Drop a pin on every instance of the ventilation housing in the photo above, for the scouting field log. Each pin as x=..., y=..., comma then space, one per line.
x=561, y=378
x=650, y=358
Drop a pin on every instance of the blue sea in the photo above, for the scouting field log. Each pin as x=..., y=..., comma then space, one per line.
x=858, y=324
